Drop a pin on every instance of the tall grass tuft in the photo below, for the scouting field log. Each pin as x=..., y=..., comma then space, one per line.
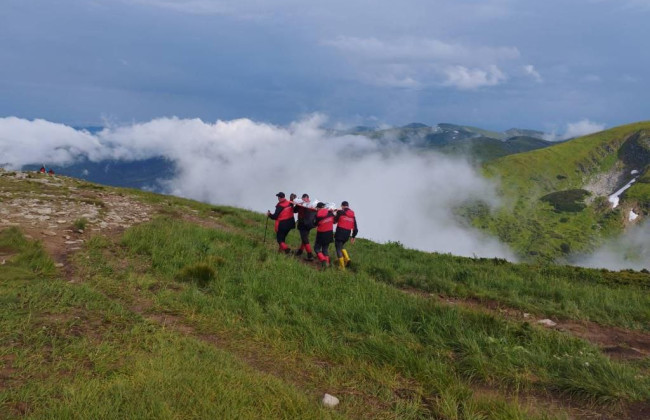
x=201, y=274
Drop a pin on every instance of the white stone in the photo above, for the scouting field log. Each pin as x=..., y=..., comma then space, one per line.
x=49, y=233
x=547, y=322
x=526, y=315
x=58, y=265
x=330, y=401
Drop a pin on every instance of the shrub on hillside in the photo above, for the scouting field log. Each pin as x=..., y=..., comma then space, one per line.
x=201, y=274
x=567, y=200
x=80, y=224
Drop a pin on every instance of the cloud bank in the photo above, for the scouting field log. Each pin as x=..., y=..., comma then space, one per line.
x=398, y=195
x=576, y=129
x=630, y=250
x=424, y=62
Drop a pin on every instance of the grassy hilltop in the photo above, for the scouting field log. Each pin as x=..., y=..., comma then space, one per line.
x=556, y=197
x=121, y=304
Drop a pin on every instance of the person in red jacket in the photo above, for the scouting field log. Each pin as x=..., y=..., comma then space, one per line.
x=306, y=217
x=346, y=228
x=284, y=221
x=324, y=233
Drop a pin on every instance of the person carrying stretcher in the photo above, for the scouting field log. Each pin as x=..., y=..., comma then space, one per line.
x=306, y=219
x=346, y=226
x=284, y=221
x=324, y=223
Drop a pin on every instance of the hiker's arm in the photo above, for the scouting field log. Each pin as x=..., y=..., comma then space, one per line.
x=278, y=210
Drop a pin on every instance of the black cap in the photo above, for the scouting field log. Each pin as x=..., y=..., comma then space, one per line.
x=320, y=205
x=344, y=204
x=305, y=195
x=280, y=194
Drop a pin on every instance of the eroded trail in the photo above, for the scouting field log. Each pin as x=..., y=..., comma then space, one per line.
x=618, y=343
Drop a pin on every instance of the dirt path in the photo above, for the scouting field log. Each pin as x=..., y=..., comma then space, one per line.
x=51, y=218
x=618, y=343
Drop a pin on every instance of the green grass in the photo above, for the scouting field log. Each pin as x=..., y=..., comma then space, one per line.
x=177, y=320
x=566, y=292
x=80, y=224
x=68, y=351
x=352, y=321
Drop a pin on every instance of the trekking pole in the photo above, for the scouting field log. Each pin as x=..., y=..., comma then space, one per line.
x=266, y=226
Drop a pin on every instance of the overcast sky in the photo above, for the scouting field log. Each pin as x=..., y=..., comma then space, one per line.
x=491, y=63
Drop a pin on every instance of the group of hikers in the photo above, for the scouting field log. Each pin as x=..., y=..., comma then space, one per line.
x=42, y=170
x=321, y=218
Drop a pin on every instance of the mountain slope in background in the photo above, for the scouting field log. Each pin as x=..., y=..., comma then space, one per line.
x=561, y=197
x=477, y=144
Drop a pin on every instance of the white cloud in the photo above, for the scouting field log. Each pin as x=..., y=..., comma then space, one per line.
x=529, y=69
x=464, y=78
x=630, y=250
x=582, y=128
x=40, y=141
x=401, y=196
x=574, y=129
x=418, y=62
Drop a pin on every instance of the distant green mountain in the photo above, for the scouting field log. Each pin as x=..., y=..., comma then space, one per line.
x=557, y=198
x=477, y=144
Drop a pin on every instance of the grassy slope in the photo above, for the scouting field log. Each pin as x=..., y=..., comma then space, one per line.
x=533, y=228
x=264, y=335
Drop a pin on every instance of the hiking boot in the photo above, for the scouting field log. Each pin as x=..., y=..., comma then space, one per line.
x=346, y=258
x=298, y=253
x=310, y=256
x=287, y=251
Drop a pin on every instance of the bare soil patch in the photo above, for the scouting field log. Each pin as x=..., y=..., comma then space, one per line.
x=618, y=343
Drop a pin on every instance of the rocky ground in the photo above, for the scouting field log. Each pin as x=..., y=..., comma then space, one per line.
x=65, y=221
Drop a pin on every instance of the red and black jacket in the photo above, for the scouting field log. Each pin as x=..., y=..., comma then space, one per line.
x=306, y=217
x=346, y=223
x=324, y=220
x=283, y=215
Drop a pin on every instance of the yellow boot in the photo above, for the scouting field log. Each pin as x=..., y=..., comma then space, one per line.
x=346, y=257
x=341, y=263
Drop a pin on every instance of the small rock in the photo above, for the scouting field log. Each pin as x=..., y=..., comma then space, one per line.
x=526, y=315
x=330, y=401
x=67, y=237
x=80, y=231
x=48, y=233
x=58, y=265
x=547, y=322
x=61, y=222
